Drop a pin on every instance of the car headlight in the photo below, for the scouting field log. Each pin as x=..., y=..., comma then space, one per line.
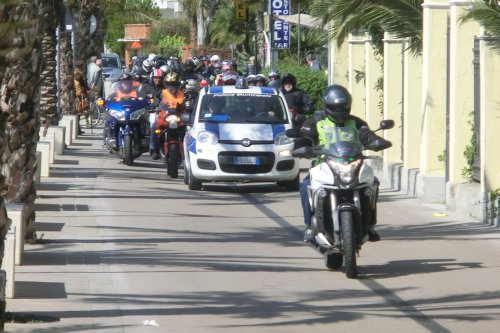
x=138, y=114
x=209, y=138
x=346, y=171
x=282, y=139
x=119, y=115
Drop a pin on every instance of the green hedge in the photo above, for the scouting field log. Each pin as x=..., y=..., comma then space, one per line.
x=313, y=83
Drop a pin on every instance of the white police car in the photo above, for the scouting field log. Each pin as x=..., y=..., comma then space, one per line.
x=237, y=133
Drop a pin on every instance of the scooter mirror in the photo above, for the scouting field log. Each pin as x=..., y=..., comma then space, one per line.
x=386, y=124
x=293, y=133
x=186, y=118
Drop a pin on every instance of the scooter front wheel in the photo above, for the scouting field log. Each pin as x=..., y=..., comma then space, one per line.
x=348, y=243
x=128, y=156
x=173, y=160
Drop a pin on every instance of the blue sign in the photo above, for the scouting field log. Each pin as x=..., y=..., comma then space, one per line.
x=281, y=29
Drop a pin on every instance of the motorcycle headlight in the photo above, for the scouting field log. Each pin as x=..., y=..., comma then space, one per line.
x=138, y=114
x=209, y=138
x=346, y=171
x=119, y=115
x=282, y=139
x=172, y=121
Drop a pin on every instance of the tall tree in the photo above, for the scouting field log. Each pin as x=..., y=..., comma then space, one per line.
x=49, y=15
x=19, y=98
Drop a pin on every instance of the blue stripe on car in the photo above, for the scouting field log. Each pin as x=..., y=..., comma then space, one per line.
x=192, y=145
x=267, y=91
x=212, y=127
x=278, y=128
x=216, y=90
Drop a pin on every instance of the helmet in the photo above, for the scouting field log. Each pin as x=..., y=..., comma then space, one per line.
x=251, y=79
x=289, y=78
x=274, y=74
x=146, y=65
x=260, y=78
x=157, y=72
x=226, y=65
x=172, y=79
x=214, y=58
x=218, y=66
x=229, y=78
x=189, y=62
x=124, y=77
x=337, y=101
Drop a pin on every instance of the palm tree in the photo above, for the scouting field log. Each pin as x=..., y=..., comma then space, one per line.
x=401, y=18
x=20, y=95
x=259, y=30
x=486, y=13
x=49, y=19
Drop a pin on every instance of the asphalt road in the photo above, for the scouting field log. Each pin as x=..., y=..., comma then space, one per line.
x=127, y=249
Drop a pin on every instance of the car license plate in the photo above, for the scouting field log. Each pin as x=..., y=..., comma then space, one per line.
x=246, y=160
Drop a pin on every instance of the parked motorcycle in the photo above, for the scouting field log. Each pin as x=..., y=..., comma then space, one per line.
x=126, y=131
x=171, y=130
x=343, y=195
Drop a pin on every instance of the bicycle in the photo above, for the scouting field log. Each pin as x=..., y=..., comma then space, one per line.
x=93, y=115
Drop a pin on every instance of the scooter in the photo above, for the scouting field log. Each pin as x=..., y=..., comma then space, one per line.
x=126, y=131
x=342, y=195
x=171, y=130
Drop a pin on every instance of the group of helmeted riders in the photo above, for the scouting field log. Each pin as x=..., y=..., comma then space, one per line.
x=166, y=80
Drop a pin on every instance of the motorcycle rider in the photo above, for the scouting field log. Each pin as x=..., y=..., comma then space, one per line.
x=274, y=79
x=172, y=100
x=157, y=84
x=297, y=99
x=189, y=71
x=337, y=108
x=124, y=88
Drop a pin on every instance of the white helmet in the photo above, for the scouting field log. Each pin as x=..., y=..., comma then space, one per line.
x=214, y=58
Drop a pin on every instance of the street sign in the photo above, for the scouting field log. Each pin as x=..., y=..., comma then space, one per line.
x=281, y=29
x=241, y=10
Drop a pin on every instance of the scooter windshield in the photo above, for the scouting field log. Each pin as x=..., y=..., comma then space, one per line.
x=124, y=90
x=342, y=142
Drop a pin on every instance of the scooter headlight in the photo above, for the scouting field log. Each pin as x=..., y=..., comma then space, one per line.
x=172, y=121
x=345, y=170
x=138, y=114
x=118, y=115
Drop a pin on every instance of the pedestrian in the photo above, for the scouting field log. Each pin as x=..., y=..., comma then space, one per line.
x=299, y=102
x=313, y=63
x=95, y=83
x=252, y=67
x=81, y=100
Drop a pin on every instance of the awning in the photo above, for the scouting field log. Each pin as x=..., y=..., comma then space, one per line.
x=305, y=20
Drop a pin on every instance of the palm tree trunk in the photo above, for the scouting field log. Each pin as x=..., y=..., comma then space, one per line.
x=49, y=19
x=19, y=99
x=66, y=68
x=259, y=31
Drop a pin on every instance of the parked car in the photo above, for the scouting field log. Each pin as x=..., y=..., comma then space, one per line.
x=237, y=133
x=112, y=68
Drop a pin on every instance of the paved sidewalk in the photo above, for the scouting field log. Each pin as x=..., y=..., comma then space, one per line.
x=434, y=241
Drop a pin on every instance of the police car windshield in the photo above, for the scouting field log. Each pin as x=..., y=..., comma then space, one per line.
x=243, y=108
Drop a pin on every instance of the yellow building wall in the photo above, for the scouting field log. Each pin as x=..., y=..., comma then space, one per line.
x=412, y=106
x=461, y=85
x=434, y=81
x=356, y=68
x=393, y=97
